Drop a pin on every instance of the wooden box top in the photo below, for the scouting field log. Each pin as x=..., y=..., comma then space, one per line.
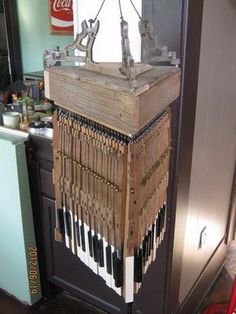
x=109, y=100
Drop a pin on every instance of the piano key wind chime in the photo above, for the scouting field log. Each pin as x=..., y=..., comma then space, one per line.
x=112, y=144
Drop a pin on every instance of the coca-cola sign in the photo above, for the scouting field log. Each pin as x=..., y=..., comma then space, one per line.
x=61, y=16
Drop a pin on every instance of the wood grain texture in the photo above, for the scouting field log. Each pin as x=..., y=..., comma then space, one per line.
x=109, y=100
x=113, y=69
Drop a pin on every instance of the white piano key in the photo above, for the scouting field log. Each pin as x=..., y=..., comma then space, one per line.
x=78, y=253
x=94, y=265
x=86, y=229
x=73, y=244
x=137, y=286
x=165, y=218
x=163, y=230
x=101, y=270
x=154, y=243
x=150, y=256
x=106, y=275
x=145, y=267
x=159, y=237
x=129, y=279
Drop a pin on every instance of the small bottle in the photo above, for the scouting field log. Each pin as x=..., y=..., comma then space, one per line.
x=17, y=105
x=30, y=107
x=47, y=106
x=24, y=122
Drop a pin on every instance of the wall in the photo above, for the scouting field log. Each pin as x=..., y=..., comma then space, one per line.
x=107, y=46
x=165, y=16
x=3, y=41
x=35, y=33
x=214, y=140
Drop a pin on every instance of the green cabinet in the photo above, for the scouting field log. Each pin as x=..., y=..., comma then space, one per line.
x=19, y=273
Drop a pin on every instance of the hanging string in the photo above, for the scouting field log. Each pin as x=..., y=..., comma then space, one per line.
x=94, y=20
x=140, y=17
x=121, y=14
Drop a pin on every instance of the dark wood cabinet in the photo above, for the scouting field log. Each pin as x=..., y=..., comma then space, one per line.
x=40, y=166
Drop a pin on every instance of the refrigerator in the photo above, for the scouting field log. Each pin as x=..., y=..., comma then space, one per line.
x=19, y=272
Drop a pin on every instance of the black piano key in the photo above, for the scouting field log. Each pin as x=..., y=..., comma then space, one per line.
x=119, y=281
x=100, y=250
x=77, y=232
x=82, y=237
x=61, y=220
x=158, y=226
x=156, y=235
x=149, y=242
x=64, y=219
x=138, y=265
x=153, y=236
x=109, y=259
x=68, y=223
x=117, y=269
x=96, y=248
x=163, y=211
x=90, y=241
x=145, y=249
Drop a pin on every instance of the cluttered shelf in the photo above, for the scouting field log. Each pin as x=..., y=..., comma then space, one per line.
x=23, y=106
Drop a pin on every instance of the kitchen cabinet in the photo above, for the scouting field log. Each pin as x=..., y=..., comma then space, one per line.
x=19, y=272
x=40, y=165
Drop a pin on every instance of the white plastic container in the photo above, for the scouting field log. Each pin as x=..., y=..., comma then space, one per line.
x=11, y=119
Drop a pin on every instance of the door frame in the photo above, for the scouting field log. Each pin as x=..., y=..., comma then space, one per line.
x=13, y=39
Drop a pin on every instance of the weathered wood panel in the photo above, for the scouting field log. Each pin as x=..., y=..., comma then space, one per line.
x=109, y=100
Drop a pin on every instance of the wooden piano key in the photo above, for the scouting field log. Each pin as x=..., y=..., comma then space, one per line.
x=111, y=211
x=59, y=234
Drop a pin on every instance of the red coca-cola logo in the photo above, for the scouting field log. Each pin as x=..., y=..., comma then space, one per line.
x=62, y=5
x=61, y=15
